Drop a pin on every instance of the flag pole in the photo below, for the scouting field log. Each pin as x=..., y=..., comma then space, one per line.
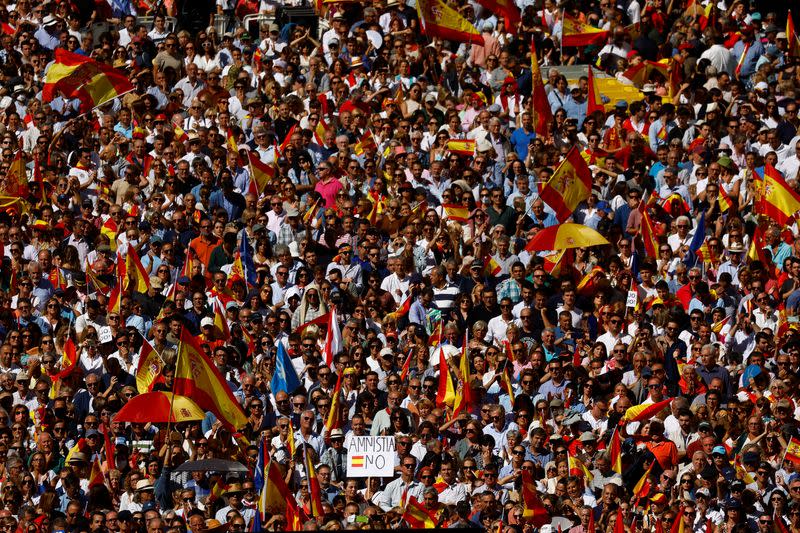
x=172, y=400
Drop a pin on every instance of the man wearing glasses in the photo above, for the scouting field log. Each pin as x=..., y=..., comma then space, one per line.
x=614, y=334
x=404, y=485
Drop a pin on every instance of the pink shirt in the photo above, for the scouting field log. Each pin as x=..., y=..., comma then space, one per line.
x=328, y=190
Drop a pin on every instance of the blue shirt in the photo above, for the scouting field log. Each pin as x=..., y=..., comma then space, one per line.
x=576, y=109
x=520, y=141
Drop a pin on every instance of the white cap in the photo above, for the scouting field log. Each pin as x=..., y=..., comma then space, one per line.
x=207, y=321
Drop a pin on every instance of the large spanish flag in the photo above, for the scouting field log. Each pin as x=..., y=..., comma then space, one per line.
x=77, y=76
x=542, y=114
x=457, y=213
x=197, y=377
x=778, y=200
x=645, y=411
x=508, y=10
x=569, y=185
x=440, y=20
x=578, y=33
x=464, y=147
x=260, y=173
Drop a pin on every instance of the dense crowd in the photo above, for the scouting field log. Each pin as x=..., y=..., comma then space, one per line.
x=267, y=178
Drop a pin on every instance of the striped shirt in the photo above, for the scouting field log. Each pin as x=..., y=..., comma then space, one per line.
x=445, y=297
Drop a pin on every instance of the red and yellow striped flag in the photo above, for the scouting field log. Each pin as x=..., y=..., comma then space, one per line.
x=465, y=147
x=615, y=452
x=491, y=267
x=645, y=411
x=778, y=200
x=260, y=173
x=724, y=200
x=446, y=394
x=77, y=76
x=197, y=376
x=542, y=114
x=569, y=185
x=438, y=19
x=648, y=233
x=137, y=278
x=457, y=213
x=365, y=144
x=642, y=487
x=578, y=33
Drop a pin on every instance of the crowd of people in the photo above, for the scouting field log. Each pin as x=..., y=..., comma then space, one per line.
x=268, y=176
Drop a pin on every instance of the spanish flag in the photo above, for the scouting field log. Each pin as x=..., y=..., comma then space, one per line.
x=645, y=411
x=648, y=233
x=417, y=516
x=148, y=372
x=569, y=185
x=457, y=213
x=16, y=182
x=365, y=143
x=778, y=200
x=96, y=475
x=534, y=511
x=615, y=452
x=334, y=419
x=586, y=284
x=437, y=19
x=542, y=114
x=110, y=230
x=137, y=278
x=260, y=173
x=594, y=102
x=717, y=327
x=791, y=34
x=507, y=9
x=180, y=134
x=793, y=451
x=464, y=393
x=77, y=76
x=490, y=266
x=724, y=200
x=319, y=132
x=197, y=376
x=577, y=468
x=446, y=393
x=642, y=487
x=578, y=33
x=313, y=485
x=465, y=147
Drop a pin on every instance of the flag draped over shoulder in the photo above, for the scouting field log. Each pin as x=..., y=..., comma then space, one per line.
x=569, y=185
x=577, y=33
x=440, y=20
x=77, y=76
x=543, y=115
x=197, y=377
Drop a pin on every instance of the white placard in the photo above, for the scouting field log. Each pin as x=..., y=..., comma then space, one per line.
x=371, y=457
x=633, y=297
x=104, y=335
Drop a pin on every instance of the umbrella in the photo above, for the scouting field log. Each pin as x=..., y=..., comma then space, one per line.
x=563, y=236
x=155, y=407
x=212, y=465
